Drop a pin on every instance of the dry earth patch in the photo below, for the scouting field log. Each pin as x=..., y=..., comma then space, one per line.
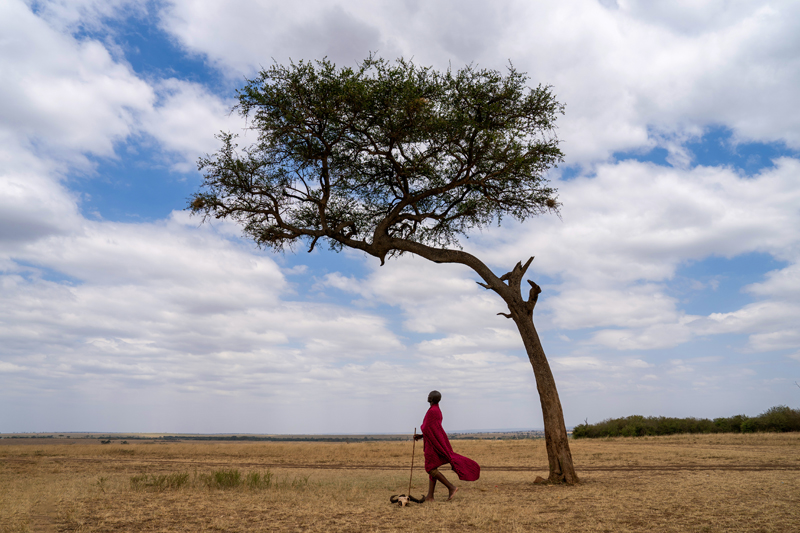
x=676, y=483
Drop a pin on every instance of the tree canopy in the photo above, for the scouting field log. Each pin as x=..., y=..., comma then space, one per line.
x=386, y=153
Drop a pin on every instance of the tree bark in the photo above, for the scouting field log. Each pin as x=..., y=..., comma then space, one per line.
x=555, y=432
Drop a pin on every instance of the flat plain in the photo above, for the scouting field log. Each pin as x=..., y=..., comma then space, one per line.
x=681, y=483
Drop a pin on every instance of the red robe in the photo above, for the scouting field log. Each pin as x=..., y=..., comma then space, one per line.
x=439, y=452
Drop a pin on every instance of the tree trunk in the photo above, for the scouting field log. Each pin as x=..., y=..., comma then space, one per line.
x=555, y=432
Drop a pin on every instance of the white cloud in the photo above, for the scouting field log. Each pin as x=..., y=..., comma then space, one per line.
x=168, y=304
x=678, y=366
x=632, y=77
x=770, y=326
x=434, y=298
x=777, y=340
x=781, y=284
x=578, y=306
x=474, y=340
x=70, y=15
x=242, y=36
x=186, y=119
x=8, y=367
x=67, y=97
x=30, y=206
x=760, y=316
x=624, y=232
x=639, y=220
x=665, y=335
x=338, y=281
x=579, y=363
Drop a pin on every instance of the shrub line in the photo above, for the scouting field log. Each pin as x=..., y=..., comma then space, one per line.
x=779, y=419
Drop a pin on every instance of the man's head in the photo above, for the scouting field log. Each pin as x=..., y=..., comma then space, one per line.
x=434, y=397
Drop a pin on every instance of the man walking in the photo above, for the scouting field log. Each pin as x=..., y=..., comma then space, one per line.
x=438, y=451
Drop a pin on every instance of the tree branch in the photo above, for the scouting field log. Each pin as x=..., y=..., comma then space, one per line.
x=313, y=243
x=533, y=296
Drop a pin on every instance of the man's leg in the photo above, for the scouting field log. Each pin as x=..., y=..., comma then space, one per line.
x=436, y=475
x=431, y=485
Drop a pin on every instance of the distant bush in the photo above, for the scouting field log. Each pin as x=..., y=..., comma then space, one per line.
x=729, y=425
x=778, y=419
x=222, y=479
x=775, y=419
x=159, y=482
x=218, y=479
x=257, y=480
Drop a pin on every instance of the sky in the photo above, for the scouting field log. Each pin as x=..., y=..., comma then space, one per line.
x=671, y=280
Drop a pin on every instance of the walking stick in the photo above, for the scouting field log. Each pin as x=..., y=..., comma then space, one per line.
x=414, y=447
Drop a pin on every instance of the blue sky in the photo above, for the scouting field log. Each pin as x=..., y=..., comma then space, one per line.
x=671, y=281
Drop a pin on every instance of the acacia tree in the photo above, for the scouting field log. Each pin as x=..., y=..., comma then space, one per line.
x=393, y=158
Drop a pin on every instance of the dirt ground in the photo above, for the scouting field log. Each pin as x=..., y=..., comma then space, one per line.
x=681, y=483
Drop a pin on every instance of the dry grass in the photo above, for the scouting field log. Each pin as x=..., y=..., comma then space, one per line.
x=677, y=483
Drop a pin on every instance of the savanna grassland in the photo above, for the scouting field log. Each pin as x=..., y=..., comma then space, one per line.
x=723, y=482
